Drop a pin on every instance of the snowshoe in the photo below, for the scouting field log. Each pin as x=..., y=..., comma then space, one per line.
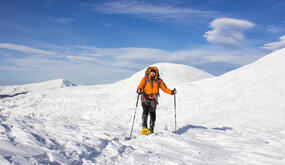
x=145, y=131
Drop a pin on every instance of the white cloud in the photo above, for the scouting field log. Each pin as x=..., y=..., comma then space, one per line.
x=142, y=54
x=128, y=53
x=148, y=10
x=26, y=49
x=276, y=45
x=37, y=62
x=227, y=31
x=81, y=58
x=5, y=54
x=61, y=20
x=274, y=29
x=91, y=65
x=134, y=56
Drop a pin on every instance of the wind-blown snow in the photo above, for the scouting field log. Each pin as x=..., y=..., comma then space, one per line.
x=237, y=118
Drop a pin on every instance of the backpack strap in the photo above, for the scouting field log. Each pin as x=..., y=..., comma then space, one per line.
x=159, y=81
x=146, y=79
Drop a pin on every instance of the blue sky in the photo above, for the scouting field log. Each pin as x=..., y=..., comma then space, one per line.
x=93, y=42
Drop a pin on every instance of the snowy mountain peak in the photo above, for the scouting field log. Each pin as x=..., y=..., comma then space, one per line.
x=57, y=83
x=174, y=74
x=47, y=85
x=179, y=73
x=66, y=83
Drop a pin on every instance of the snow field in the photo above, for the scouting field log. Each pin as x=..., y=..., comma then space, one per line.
x=237, y=118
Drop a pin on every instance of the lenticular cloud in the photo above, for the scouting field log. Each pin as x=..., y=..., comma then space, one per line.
x=227, y=31
x=276, y=45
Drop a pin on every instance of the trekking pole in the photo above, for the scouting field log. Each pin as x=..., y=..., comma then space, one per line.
x=134, y=116
x=175, y=110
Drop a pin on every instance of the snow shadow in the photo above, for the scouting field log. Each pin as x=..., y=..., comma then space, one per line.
x=16, y=94
x=2, y=118
x=39, y=138
x=187, y=127
x=223, y=128
x=184, y=129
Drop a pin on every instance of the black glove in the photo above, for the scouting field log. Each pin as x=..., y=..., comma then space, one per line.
x=139, y=91
x=173, y=91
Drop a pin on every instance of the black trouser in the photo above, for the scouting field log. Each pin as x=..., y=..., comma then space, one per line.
x=149, y=107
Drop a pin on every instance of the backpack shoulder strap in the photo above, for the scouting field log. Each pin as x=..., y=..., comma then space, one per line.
x=146, y=79
x=159, y=81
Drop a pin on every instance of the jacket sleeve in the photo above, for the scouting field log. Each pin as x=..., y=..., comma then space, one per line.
x=164, y=87
x=142, y=84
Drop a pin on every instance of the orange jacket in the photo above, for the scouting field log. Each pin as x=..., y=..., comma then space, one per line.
x=152, y=87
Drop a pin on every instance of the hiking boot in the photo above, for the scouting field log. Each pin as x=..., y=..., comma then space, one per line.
x=151, y=129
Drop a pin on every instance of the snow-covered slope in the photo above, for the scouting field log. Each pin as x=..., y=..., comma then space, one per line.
x=232, y=119
x=255, y=94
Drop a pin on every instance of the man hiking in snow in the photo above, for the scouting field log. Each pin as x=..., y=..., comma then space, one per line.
x=149, y=90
